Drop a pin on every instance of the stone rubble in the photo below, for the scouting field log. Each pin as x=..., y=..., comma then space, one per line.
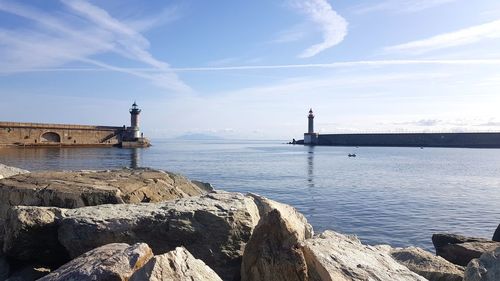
x=177, y=264
x=117, y=261
x=459, y=249
x=485, y=268
x=428, y=265
x=106, y=225
x=273, y=251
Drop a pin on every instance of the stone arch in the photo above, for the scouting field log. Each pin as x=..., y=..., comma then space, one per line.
x=50, y=137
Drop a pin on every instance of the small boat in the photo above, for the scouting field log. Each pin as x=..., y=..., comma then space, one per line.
x=351, y=155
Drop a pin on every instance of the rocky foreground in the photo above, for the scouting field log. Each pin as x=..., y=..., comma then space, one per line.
x=147, y=224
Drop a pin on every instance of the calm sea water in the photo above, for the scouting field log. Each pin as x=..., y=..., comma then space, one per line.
x=397, y=196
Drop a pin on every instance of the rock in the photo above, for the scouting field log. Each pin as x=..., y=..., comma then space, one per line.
x=463, y=253
x=4, y=268
x=274, y=252
x=178, y=264
x=214, y=228
x=428, y=265
x=31, y=235
x=203, y=185
x=29, y=272
x=8, y=171
x=496, y=236
x=485, y=268
x=336, y=257
x=117, y=261
x=299, y=223
x=88, y=188
x=460, y=249
x=442, y=239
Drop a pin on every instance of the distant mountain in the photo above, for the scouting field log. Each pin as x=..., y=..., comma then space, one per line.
x=198, y=136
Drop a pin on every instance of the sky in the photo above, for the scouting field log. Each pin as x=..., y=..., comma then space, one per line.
x=252, y=69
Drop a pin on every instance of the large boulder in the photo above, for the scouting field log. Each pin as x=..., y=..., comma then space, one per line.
x=274, y=252
x=8, y=171
x=214, y=228
x=299, y=223
x=4, y=268
x=460, y=249
x=74, y=189
x=31, y=235
x=442, y=239
x=485, y=268
x=428, y=265
x=496, y=235
x=110, y=262
x=331, y=256
x=178, y=264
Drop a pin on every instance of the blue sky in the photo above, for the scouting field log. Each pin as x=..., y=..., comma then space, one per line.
x=252, y=69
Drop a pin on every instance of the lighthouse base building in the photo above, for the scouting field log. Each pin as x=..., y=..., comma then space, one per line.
x=65, y=135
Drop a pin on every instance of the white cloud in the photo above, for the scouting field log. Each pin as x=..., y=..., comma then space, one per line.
x=333, y=26
x=401, y=6
x=461, y=37
x=344, y=64
x=53, y=42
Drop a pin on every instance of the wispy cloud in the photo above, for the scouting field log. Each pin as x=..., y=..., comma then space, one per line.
x=460, y=37
x=344, y=64
x=83, y=31
x=399, y=6
x=292, y=34
x=421, y=122
x=333, y=26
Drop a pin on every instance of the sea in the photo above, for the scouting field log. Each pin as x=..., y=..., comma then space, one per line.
x=384, y=195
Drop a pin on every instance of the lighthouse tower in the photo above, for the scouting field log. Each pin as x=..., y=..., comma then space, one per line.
x=310, y=137
x=134, y=121
x=310, y=126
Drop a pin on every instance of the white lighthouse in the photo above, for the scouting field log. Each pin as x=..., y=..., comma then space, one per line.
x=134, y=121
x=310, y=137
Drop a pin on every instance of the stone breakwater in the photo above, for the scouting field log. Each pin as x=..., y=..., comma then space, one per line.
x=147, y=224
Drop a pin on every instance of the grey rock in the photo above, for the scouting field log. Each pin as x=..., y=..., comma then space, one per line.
x=428, y=265
x=335, y=257
x=442, y=239
x=214, y=228
x=204, y=185
x=485, y=268
x=496, y=235
x=31, y=235
x=75, y=189
x=8, y=171
x=4, y=268
x=110, y=262
x=461, y=250
x=179, y=265
x=274, y=252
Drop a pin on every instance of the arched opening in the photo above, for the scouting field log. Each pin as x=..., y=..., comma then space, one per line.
x=50, y=137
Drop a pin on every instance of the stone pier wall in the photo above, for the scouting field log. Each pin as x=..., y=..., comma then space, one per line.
x=39, y=134
x=470, y=140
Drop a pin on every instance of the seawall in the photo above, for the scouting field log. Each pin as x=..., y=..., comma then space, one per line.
x=467, y=140
x=42, y=134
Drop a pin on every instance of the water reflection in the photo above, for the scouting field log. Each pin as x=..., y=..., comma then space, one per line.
x=310, y=167
x=135, y=158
